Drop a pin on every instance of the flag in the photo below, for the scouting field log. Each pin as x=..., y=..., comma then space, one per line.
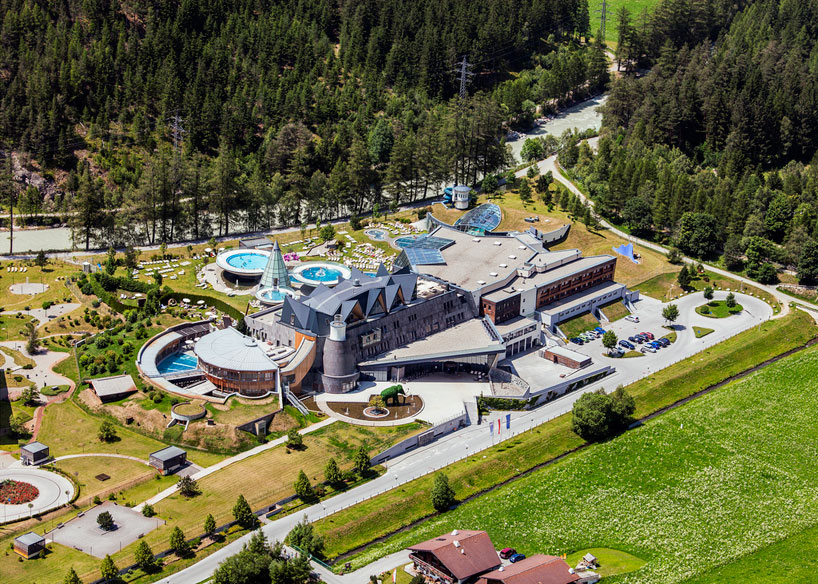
x=498, y=426
x=508, y=421
x=395, y=576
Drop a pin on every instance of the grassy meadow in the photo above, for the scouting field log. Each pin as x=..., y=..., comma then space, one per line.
x=360, y=524
x=700, y=486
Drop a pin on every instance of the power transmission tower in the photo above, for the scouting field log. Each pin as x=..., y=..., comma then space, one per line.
x=178, y=132
x=465, y=74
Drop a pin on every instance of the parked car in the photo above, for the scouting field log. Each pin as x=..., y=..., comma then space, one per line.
x=664, y=342
x=633, y=339
x=600, y=330
x=516, y=558
x=649, y=335
x=647, y=349
x=627, y=345
x=506, y=553
x=655, y=345
x=632, y=318
x=576, y=341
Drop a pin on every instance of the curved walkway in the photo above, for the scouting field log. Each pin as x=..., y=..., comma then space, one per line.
x=228, y=461
x=43, y=374
x=55, y=491
x=551, y=164
x=322, y=405
x=105, y=454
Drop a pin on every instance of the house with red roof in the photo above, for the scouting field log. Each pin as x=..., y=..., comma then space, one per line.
x=538, y=569
x=458, y=557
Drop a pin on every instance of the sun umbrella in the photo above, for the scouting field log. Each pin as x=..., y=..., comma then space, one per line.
x=186, y=300
x=200, y=302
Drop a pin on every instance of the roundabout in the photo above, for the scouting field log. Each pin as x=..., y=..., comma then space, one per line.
x=52, y=491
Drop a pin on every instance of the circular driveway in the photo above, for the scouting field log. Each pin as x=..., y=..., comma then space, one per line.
x=55, y=491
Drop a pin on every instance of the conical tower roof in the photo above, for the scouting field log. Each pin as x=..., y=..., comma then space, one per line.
x=275, y=272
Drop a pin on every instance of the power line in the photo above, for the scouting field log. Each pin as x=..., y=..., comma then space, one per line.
x=603, y=18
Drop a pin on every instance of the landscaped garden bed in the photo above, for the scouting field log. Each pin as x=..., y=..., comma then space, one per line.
x=17, y=492
x=408, y=407
x=701, y=331
x=718, y=309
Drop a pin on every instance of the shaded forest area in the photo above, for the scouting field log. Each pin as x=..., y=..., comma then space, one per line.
x=282, y=111
x=715, y=148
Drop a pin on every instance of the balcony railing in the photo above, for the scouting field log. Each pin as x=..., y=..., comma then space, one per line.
x=430, y=570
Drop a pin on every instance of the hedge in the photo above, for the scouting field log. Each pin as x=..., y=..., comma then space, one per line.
x=107, y=297
x=506, y=404
x=217, y=303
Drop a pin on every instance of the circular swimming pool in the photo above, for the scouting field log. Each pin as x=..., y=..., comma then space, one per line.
x=376, y=234
x=243, y=262
x=273, y=296
x=315, y=273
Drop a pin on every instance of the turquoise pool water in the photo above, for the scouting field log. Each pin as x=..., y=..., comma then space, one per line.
x=274, y=295
x=321, y=274
x=247, y=261
x=177, y=363
x=376, y=234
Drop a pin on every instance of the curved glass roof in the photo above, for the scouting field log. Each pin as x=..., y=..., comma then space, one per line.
x=485, y=217
x=423, y=242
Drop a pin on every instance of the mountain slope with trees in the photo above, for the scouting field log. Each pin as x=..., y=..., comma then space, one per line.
x=714, y=148
x=280, y=111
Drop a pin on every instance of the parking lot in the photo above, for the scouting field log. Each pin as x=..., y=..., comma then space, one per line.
x=649, y=312
x=84, y=534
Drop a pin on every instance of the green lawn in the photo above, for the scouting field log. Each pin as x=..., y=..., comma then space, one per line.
x=615, y=310
x=790, y=560
x=635, y=7
x=719, y=309
x=701, y=331
x=664, y=287
x=611, y=562
x=578, y=325
x=68, y=429
x=706, y=483
x=364, y=522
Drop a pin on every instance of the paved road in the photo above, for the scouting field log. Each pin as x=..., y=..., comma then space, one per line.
x=551, y=164
x=54, y=491
x=476, y=438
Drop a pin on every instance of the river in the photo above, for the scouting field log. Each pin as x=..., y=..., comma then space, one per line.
x=582, y=117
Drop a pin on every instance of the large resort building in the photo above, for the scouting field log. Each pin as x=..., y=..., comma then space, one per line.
x=456, y=301
x=461, y=299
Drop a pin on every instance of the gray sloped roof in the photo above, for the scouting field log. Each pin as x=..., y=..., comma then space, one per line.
x=168, y=453
x=314, y=312
x=229, y=349
x=34, y=447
